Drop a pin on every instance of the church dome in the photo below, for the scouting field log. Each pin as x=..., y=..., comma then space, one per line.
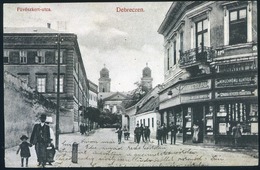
x=104, y=72
x=147, y=71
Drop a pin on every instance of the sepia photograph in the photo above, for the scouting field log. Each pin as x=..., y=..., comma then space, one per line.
x=130, y=84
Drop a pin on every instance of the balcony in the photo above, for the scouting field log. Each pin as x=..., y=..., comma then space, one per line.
x=196, y=56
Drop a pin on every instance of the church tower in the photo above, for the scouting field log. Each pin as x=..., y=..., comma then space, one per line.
x=147, y=80
x=104, y=80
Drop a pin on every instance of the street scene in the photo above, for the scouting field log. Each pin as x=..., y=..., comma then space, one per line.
x=130, y=84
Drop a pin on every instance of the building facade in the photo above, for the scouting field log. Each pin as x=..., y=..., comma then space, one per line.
x=210, y=70
x=93, y=94
x=32, y=54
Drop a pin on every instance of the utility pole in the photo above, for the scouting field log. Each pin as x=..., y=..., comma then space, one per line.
x=58, y=96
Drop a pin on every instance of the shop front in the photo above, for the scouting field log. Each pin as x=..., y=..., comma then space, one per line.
x=206, y=111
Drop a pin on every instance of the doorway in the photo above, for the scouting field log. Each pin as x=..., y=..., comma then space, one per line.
x=198, y=111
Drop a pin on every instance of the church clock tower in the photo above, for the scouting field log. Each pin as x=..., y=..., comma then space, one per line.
x=147, y=80
x=104, y=80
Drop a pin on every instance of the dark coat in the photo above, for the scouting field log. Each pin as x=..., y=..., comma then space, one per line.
x=173, y=129
x=40, y=134
x=25, y=150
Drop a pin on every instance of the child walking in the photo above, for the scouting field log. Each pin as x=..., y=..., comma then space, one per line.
x=50, y=152
x=25, y=150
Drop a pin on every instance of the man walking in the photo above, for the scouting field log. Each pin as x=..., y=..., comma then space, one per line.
x=138, y=133
x=40, y=137
x=173, y=129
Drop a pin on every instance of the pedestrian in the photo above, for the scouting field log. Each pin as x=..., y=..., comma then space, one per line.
x=164, y=133
x=147, y=133
x=159, y=134
x=173, y=130
x=40, y=137
x=119, y=134
x=52, y=135
x=196, y=131
x=81, y=128
x=25, y=150
x=50, y=152
x=126, y=133
x=237, y=134
x=138, y=133
x=142, y=132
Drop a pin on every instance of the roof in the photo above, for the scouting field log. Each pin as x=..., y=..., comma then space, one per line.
x=30, y=30
x=111, y=95
x=150, y=105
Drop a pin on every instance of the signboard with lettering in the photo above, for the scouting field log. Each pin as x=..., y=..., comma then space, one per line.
x=196, y=86
x=226, y=94
x=195, y=97
x=236, y=81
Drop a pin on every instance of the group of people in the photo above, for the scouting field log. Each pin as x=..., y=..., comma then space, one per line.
x=42, y=137
x=120, y=132
x=142, y=132
x=162, y=133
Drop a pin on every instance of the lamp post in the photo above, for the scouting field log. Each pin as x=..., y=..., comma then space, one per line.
x=58, y=96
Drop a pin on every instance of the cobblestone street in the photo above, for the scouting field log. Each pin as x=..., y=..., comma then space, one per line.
x=101, y=149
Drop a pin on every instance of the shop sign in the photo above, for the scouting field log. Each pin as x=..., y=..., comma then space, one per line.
x=235, y=93
x=236, y=81
x=196, y=97
x=250, y=65
x=196, y=86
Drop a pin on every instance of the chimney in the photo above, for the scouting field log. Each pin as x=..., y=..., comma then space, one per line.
x=49, y=25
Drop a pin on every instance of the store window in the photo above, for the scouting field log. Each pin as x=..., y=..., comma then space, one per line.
x=238, y=26
x=228, y=115
x=41, y=83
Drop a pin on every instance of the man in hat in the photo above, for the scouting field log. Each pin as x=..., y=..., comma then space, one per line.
x=40, y=137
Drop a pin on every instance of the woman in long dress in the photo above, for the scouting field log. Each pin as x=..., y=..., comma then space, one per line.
x=196, y=130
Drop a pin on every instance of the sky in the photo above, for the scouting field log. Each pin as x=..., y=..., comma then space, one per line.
x=122, y=41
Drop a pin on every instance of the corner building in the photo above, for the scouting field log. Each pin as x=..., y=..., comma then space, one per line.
x=32, y=54
x=210, y=70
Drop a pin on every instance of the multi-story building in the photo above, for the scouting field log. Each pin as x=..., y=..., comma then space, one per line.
x=32, y=54
x=210, y=70
x=93, y=94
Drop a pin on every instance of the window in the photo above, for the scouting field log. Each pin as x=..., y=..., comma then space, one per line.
x=141, y=122
x=61, y=57
x=243, y=113
x=23, y=57
x=149, y=122
x=6, y=56
x=61, y=84
x=49, y=57
x=202, y=33
x=41, y=83
x=168, y=59
x=174, y=52
x=152, y=122
x=31, y=57
x=144, y=121
x=14, y=57
x=40, y=58
x=181, y=42
x=237, y=26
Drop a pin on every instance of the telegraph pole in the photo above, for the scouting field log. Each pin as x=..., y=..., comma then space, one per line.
x=58, y=96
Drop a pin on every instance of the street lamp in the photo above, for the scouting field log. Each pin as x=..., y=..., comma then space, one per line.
x=169, y=94
x=58, y=94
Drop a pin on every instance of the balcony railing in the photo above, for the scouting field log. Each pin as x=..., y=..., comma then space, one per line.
x=196, y=56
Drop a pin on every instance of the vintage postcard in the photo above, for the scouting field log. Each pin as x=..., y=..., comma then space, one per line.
x=130, y=84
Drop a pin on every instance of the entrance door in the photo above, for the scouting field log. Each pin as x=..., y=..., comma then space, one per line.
x=198, y=119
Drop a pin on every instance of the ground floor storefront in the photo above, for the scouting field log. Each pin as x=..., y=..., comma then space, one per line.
x=215, y=120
